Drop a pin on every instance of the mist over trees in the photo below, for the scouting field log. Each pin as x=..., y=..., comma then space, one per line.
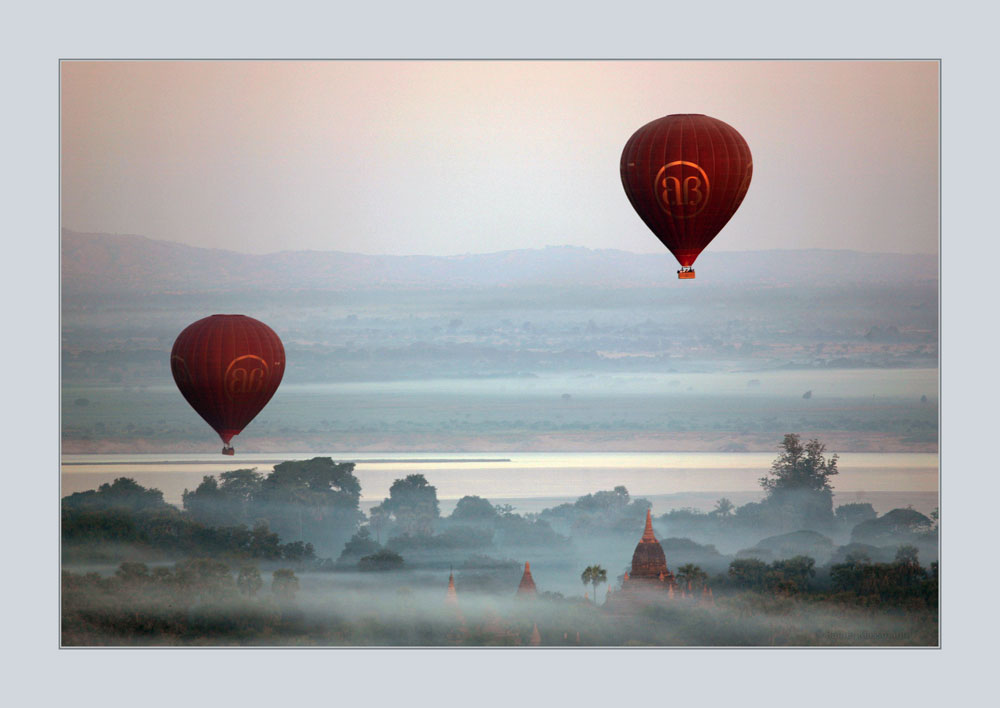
x=247, y=565
x=311, y=500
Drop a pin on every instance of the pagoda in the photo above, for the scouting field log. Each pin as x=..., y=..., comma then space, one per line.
x=649, y=564
x=536, y=638
x=527, y=586
x=458, y=633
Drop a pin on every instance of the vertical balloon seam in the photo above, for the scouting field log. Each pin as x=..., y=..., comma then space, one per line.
x=738, y=174
x=224, y=353
x=717, y=127
x=259, y=400
x=747, y=175
x=190, y=345
x=737, y=177
x=278, y=373
x=679, y=220
x=234, y=348
x=627, y=174
x=213, y=356
x=644, y=144
x=214, y=407
x=664, y=217
x=237, y=348
x=199, y=353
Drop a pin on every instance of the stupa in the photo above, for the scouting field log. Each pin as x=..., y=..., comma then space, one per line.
x=452, y=597
x=536, y=638
x=649, y=564
x=527, y=586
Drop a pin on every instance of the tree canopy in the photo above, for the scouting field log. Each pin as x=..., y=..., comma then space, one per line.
x=799, y=493
x=312, y=501
x=412, y=504
x=800, y=467
x=124, y=493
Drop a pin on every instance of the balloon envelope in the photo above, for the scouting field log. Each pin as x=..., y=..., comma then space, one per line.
x=686, y=175
x=227, y=367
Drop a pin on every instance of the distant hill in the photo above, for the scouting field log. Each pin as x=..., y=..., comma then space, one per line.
x=106, y=263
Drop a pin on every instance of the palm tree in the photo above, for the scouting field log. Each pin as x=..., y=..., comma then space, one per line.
x=723, y=507
x=690, y=573
x=594, y=575
x=378, y=520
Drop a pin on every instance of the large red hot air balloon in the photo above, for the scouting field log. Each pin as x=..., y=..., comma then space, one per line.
x=227, y=367
x=686, y=175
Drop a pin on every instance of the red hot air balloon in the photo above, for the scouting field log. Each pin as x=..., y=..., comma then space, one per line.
x=686, y=175
x=227, y=367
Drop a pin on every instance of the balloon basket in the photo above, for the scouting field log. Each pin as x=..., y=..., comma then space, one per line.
x=228, y=450
x=686, y=274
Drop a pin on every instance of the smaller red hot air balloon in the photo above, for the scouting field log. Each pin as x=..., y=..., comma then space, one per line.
x=227, y=367
x=686, y=175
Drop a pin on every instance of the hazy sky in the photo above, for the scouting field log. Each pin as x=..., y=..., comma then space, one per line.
x=461, y=157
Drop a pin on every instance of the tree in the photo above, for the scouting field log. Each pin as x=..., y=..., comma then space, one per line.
x=800, y=467
x=794, y=574
x=122, y=494
x=594, y=575
x=749, y=573
x=249, y=580
x=853, y=514
x=284, y=584
x=857, y=558
x=413, y=503
x=361, y=544
x=203, y=503
x=798, y=489
x=263, y=542
x=383, y=560
x=240, y=488
x=206, y=577
x=378, y=519
x=690, y=573
x=225, y=501
x=723, y=507
x=896, y=527
x=474, y=509
x=312, y=500
x=907, y=555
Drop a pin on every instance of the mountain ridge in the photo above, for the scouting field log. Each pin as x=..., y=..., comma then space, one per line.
x=125, y=263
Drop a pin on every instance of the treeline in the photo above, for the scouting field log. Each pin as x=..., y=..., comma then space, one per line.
x=858, y=581
x=124, y=518
x=313, y=501
x=206, y=602
x=408, y=524
x=193, y=601
x=309, y=509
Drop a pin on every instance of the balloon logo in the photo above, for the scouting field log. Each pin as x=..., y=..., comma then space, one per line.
x=227, y=367
x=246, y=376
x=682, y=189
x=686, y=175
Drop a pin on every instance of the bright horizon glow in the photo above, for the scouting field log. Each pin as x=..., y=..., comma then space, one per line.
x=455, y=157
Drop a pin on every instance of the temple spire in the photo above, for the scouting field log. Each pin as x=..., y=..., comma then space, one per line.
x=452, y=597
x=527, y=586
x=536, y=638
x=647, y=535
